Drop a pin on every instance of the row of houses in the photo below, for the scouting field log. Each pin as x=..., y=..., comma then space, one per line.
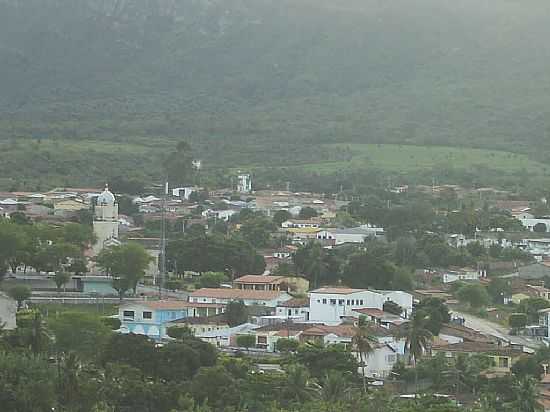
x=303, y=232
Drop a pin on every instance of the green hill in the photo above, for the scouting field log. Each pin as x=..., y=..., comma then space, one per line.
x=250, y=81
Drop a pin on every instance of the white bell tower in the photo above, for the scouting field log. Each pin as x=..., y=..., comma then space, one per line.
x=105, y=220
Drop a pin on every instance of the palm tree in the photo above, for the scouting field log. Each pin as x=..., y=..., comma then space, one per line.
x=417, y=339
x=333, y=386
x=526, y=394
x=38, y=335
x=364, y=342
x=300, y=386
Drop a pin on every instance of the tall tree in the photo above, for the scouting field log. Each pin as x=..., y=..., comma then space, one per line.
x=364, y=343
x=126, y=263
x=178, y=165
x=437, y=313
x=417, y=338
x=61, y=278
x=20, y=293
x=526, y=393
x=236, y=313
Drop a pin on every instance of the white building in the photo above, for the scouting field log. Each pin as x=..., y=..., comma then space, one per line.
x=224, y=215
x=297, y=223
x=463, y=275
x=184, y=192
x=530, y=223
x=294, y=309
x=8, y=311
x=351, y=235
x=330, y=304
x=244, y=183
x=537, y=246
x=105, y=223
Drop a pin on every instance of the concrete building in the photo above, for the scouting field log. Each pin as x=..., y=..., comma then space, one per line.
x=466, y=274
x=529, y=223
x=8, y=311
x=331, y=304
x=244, y=183
x=350, y=235
x=150, y=318
x=105, y=223
x=296, y=309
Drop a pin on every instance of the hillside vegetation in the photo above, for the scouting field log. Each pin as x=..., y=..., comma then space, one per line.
x=251, y=81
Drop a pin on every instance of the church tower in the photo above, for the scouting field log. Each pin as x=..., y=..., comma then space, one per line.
x=105, y=220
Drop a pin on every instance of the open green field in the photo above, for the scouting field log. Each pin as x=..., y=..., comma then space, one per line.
x=404, y=158
x=101, y=309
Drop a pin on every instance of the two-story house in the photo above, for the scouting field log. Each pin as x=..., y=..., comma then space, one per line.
x=332, y=304
x=151, y=318
x=296, y=309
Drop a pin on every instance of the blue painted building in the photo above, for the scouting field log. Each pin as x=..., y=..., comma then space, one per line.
x=150, y=318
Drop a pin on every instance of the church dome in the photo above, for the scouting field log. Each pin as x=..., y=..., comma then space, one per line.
x=106, y=197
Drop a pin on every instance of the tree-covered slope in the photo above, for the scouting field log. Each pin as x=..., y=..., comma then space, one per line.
x=274, y=75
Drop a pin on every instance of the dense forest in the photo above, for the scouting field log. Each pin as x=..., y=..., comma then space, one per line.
x=114, y=82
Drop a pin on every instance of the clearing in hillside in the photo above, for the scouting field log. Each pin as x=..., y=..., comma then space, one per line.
x=406, y=158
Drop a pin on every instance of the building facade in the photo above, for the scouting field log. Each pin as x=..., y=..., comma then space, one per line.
x=105, y=222
x=331, y=305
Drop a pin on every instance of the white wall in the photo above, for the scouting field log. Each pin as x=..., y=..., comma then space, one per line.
x=403, y=299
x=379, y=363
x=300, y=314
x=8, y=310
x=530, y=223
x=322, y=310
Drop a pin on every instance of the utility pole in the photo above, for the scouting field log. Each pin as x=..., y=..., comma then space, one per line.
x=162, y=270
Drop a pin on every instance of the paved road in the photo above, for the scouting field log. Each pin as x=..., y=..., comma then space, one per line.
x=491, y=328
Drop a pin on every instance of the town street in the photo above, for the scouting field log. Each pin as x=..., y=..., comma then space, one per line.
x=491, y=328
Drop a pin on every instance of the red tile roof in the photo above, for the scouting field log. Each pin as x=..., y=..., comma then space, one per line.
x=337, y=290
x=295, y=303
x=377, y=313
x=259, y=279
x=222, y=293
x=338, y=330
x=478, y=347
x=174, y=304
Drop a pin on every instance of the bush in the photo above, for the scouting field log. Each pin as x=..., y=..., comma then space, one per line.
x=173, y=284
x=111, y=323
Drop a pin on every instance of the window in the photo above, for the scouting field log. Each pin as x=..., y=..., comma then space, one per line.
x=391, y=358
x=318, y=300
x=147, y=315
x=324, y=301
x=128, y=314
x=333, y=301
x=341, y=302
x=262, y=340
x=502, y=362
x=361, y=302
x=347, y=302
